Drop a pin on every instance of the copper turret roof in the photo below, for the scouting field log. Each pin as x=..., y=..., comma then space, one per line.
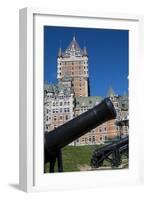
x=73, y=49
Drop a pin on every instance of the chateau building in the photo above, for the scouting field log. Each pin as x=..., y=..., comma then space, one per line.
x=73, y=63
x=70, y=98
x=58, y=105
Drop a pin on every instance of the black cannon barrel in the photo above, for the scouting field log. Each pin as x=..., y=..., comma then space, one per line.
x=80, y=125
x=112, y=146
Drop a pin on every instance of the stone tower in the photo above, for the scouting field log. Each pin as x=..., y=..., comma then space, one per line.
x=72, y=64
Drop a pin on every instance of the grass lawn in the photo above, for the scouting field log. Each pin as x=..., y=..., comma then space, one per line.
x=77, y=158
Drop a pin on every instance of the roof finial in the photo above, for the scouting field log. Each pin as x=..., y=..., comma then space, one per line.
x=60, y=49
x=74, y=37
x=85, y=51
x=60, y=44
x=60, y=52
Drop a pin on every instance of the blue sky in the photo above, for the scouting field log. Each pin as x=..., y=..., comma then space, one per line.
x=107, y=54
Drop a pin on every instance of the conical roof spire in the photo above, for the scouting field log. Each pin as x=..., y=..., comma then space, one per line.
x=85, y=51
x=60, y=52
x=125, y=93
x=73, y=49
x=111, y=92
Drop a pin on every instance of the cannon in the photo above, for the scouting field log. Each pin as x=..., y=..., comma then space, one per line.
x=58, y=138
x=111, y=153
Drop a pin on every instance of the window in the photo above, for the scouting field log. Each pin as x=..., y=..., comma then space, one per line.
x=126, y=128
x=123, y=105
x=105, y=129
x=93, y=138
x=116, y=104
x=64, y=109
x=66, y=117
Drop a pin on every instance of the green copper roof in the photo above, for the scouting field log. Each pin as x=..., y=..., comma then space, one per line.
x=66, y=78
x=57, y=88
x=87, y=101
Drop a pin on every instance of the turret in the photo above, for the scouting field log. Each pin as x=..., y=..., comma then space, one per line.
x=85, y=51
x=60, y=52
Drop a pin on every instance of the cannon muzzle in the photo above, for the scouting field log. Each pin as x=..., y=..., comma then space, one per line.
x=75, y=128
